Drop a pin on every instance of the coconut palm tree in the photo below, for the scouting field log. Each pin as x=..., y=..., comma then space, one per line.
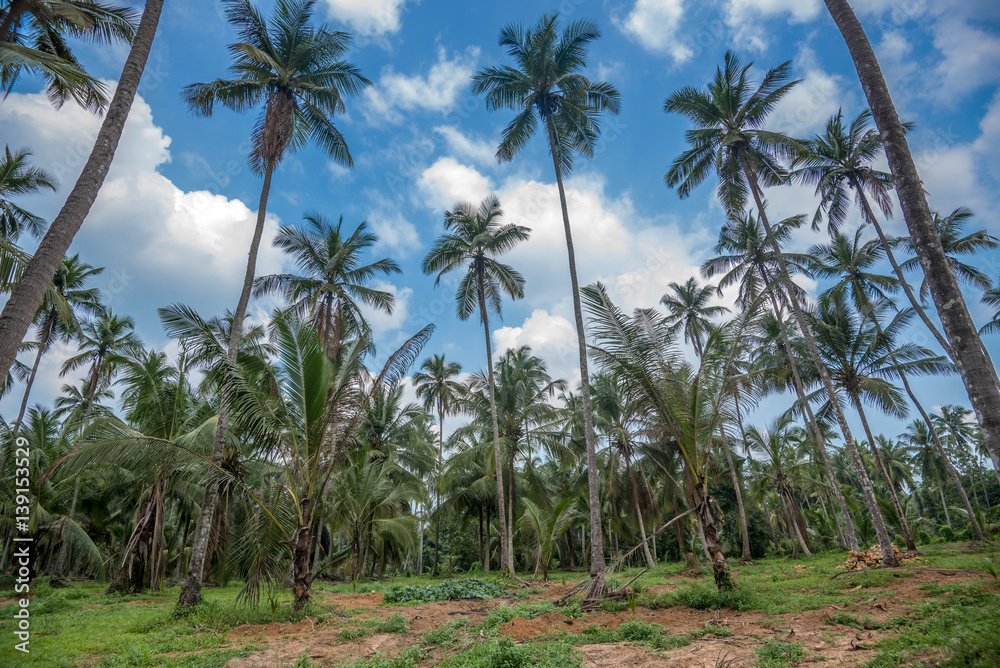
x=475, y=237
x=745, y=257
x=333, y=279
x=28, y=294
x=297, y=72
x=927, y=460
x=17, y=179
x=862, y=357
x=547, y=86
x=729, y=138
x=436, y=387
x=992, y=298
x=33, y=38
x=58, y=318
x=967, y=349
x=104, y=343
x=851, y=261
x=688, y=311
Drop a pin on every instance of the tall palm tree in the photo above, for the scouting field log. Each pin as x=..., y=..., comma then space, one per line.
x=852, y=262
x=927, y=460
x=547, y=86
x=103, y=344
x=729, y=138
x=58, y=318
x=29, y=292
x=744, y=256
x=17, y=179
x=475, y=237
x=297, y=72
x=967, y=349
x=333, y=278
x=33, y=38
x=688, y=311
x=862, y=358
x=437, y=388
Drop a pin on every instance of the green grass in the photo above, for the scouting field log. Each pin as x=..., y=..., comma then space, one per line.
x=777, y=654
x=395, y=624
x=502, y=653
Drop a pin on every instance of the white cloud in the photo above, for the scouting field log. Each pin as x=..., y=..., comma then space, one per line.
x=447, y=181
x=970, y=58
x=383, y=323
x=654, y=24
x=394, y=231
x=436, y=91
x=367, y=17
x=744, y=17
x=551, y=337
x=806, y=108
x=477, y=150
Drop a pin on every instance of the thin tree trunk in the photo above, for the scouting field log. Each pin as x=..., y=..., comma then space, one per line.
x=437, y=493
x=638, y=512
x=888, y=556
x=711, y=541
x=191, y=593
x=64, y=546
x=966, y=346
x=506, y=560
x=27, y=295
x=903, y=524
x=746, y=557
x=851, y=535
x=420, y=550
x=180, y=555
x=793, y=521
x=944, y=504
x=24, y=400
x=597, y=586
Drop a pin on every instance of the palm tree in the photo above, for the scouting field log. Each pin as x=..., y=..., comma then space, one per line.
x=967, y=349
x=744, y=257
x=436, y=387
x=103, y=344
x=333, y=278
x=298, y=73
x=33, y=38
x=28, y=294
x=992, y=298
x=862, y=357
x=476, y=237
x=729, y=138
x=688, y=311
x=852, y=262
x=58, y=319
x=927, y=458
x=547, y=86
x=17, y=179
x=548, y=526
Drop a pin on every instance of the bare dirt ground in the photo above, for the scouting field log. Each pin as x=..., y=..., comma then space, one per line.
x=826, y=644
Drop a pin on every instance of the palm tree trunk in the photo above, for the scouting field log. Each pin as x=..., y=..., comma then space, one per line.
x=597, y=587
x=64, y=547
x=638, y=511
x=817, y=435
x=745, y=558
x=966, y=346
x=437, y=493
x=420, y=548
x=191, y=593
x=42, y=342
x=506, y=559
x=711, y=541
x=903, y=524
x=944, y=504
x=888, y=556
x=27, y=295
x=793, y=522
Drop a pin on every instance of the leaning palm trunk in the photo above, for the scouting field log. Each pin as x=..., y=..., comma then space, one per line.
x=597, y=587
x=191, y=593
x=903, y=524
x=885, y=541
x=966, y=347
x=27, y=295
x=734, y=477
x=817, y=435
x=710, y=536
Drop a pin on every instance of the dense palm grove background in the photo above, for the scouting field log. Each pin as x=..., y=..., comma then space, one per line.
x=295, y=449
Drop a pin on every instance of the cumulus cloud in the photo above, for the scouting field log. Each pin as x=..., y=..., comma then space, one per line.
x=744, y=17
x=806, y=108
x=654, y=24
x=437, y=91
x=970, y=58
x=368, y=17
x=394, y=231
x=383, y=323
x=448, y=181
x=551, y=337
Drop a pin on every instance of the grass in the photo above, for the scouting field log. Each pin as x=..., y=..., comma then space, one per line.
x=954, y=626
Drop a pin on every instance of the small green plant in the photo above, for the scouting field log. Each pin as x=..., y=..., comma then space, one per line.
x=447, y=590
x=992, y=569
x=777, y=654
x=630, y=597
x=304, y=661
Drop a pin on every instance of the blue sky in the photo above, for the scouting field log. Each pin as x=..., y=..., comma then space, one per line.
x=174, y=218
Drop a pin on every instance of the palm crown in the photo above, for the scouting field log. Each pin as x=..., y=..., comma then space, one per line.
x=688, y=311
x=296, y=70
x=546, y=85
x=729, y=117
x=476, y=236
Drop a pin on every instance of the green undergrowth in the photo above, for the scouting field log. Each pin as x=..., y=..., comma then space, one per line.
x=777, y=654
x=395, y=624
x=497, y=617
x=448, y=590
